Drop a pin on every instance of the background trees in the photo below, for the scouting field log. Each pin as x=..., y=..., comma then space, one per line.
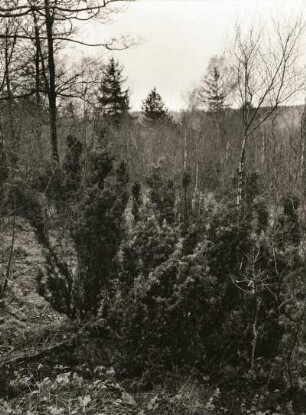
x=52, y=24
x=153, y=107
x=265, y=75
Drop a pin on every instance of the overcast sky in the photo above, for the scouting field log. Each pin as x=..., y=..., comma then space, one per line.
x=178, y=39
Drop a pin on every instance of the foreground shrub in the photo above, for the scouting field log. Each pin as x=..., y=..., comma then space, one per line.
x=228, y=302
x=72, y=167
x=161, y=194
x=97, y=229
x=227, y=294
x=149, y=245
x=73, y=282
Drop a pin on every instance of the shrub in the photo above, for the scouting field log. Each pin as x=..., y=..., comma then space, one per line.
x=98, y=228
x=162, y=194
x=72, y=168
x=136, y=200
x=219, y=303
x=74, y=286
x=149, y=245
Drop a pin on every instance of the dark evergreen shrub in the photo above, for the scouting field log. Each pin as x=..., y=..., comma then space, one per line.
x=98, y=227
x=136, y=200
x=213, y=305
x=149, y=245
x=72, y=168
x=162, y=194
x=95, y=231
x=289, y=231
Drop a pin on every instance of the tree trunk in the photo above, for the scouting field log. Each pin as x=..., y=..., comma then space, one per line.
x=186, y=183
x=52, y=83
x=37, y=60
x=263, y=153
x=241, y=170
x=11, y=253
x=11, y=127
x=255, y=332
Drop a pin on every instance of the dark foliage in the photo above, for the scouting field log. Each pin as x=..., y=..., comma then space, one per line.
x=136, y=201
x=72, y=168
x=114, y=101
x=218, y=302
x=98, y=228
x=227, y=292
x=289, y=224
x=153, y=107
x=162, y=194
x=150, y=245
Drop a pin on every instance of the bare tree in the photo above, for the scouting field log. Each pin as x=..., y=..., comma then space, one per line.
x=54, y=21
x=266, y=73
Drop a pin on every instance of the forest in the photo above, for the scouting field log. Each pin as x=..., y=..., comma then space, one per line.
x=152, y=262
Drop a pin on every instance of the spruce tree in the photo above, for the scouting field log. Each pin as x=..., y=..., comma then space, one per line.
x=113, y=99
x=153, y=107
x=213, y=91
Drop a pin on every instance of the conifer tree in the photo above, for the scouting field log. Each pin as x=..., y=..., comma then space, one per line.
x=113, y=99
x=153, y=107
x=213, y=92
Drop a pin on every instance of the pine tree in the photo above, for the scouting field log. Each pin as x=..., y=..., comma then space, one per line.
x=114, y=101
x=213, y=91
x=153, y=107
